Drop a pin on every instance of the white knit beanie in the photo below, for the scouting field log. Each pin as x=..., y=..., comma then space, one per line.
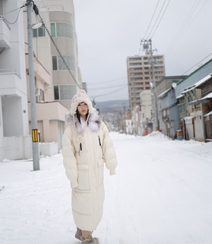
x=78, y=98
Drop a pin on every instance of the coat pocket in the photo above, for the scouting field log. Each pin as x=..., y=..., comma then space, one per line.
x=83, y=177
x=100, y=171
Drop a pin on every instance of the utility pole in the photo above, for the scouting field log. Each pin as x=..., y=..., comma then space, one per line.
x=147, y=44
x=154, y=87
x=35, y=146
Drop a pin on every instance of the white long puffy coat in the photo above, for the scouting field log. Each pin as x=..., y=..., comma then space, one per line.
x=85, y=152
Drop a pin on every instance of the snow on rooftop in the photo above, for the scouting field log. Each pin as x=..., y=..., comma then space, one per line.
x=207, y=96
x=200, y=82
x=164, y=93
x=210, y=113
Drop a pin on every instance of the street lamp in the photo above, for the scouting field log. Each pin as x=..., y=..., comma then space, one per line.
x=35, y=145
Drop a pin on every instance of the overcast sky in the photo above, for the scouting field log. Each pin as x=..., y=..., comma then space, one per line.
x=110, y=30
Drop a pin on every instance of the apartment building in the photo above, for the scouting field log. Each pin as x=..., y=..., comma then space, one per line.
x=56, y=81
x=59, y=19
x=139, y=71
x=13, y=90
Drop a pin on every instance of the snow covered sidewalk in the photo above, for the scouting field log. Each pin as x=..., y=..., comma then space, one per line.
x=162, y=194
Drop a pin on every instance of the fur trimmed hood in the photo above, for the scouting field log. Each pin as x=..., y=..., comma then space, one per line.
x=93, y=121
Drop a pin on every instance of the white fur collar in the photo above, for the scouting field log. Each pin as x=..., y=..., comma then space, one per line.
x=93, y=121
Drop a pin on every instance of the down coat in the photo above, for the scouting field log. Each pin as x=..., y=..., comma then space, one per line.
x=86, y=149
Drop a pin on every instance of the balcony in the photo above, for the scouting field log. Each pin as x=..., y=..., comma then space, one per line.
x=4, y=34
x=10, y=83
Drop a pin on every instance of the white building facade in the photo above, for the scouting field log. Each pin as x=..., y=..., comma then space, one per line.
x=13, y=91
x=59, y=19
x=55, y=81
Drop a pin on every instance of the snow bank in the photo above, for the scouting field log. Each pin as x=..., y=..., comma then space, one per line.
x=157, y=135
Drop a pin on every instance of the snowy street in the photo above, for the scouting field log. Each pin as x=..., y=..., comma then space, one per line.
x=161, y=194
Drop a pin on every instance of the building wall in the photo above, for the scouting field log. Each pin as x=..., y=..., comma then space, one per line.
x=174, y=117
x=12, y=75
x=1, y=134
x=63, y=85
x=51, y=121
x=146, y=107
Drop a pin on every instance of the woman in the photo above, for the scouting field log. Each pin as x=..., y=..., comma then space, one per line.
x=86, y=148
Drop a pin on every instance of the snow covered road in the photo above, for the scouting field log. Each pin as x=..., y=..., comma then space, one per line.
x=161, y=194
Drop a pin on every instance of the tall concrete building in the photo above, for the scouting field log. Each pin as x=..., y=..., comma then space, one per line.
x=139, y=71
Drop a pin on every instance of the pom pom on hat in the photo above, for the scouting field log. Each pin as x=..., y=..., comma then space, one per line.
x=79, y=97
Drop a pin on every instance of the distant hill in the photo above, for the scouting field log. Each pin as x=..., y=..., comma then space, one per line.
x=112, y=106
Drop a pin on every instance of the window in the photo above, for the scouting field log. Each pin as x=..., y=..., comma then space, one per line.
x=64, y=92
x=53, y=30
x=61, y=30
x=1, y=8
x=68, y=60
x=181, y=108
x=40, y=32
x=134, y=59
x=42, y=97
x=54, y=62
x=134, y=64
x=56, y=93
x=67, y=92
x=58, y=63
x=136, y=73
x=135, y=68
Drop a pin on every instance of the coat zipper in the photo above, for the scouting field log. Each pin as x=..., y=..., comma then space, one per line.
x=99, y=141
x=80, y=148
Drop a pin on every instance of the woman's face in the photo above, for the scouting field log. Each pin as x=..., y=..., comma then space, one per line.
x=82, y=109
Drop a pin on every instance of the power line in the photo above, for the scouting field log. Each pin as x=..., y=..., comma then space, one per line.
x=109, y=87
x=160, y=19
x=197, y=63
x=156, y=19
x=107, y=81
x=194, y=17
x=11, y=23
x=107, y=93
x=12, y=10
x=151, y=19
x=183, y=26
x=19, y=9
x=46, y=31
